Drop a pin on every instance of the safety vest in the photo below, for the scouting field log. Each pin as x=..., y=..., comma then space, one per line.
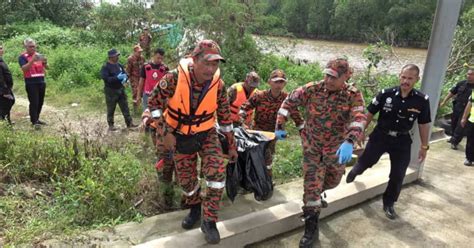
x=240, y=98
x=152, y=77
x=471, y=117
x=36, y=70
x=179, y=114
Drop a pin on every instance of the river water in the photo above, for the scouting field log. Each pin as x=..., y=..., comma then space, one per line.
x=321, y=51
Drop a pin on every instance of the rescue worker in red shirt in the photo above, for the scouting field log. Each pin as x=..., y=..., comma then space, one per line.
x=33, y=66
x=195, y=99
x=238, y=93
x=150, y=74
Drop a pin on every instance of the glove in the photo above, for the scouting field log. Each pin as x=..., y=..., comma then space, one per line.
x=121, y=76
x=280, y=134
x=345, y=152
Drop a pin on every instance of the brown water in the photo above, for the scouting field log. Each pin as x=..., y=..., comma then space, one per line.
x=321, y=51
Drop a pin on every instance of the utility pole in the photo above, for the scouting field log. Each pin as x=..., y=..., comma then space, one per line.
x=439, y=49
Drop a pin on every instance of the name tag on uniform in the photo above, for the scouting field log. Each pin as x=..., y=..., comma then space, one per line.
x=414, y=110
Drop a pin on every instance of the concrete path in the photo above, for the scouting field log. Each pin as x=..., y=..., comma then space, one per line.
x=437, y=211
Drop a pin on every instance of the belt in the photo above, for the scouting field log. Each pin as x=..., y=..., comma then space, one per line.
x=394, y=133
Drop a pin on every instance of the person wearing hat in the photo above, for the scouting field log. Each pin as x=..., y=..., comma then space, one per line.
x=334, y=122
x=134, y=63
x=191, y=100
x=398, y=107
x=144, y=40
x=115, y=77
x=266, y=105
x=7, y=99
x=238, y=93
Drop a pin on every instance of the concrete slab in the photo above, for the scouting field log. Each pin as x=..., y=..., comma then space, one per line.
x=436, y=211
x=238, y=229
x=248, y=221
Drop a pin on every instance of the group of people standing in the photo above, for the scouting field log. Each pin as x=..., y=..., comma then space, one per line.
x=186, y=106
x=190, y=103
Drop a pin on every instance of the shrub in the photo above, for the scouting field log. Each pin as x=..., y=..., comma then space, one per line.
x=94, y=182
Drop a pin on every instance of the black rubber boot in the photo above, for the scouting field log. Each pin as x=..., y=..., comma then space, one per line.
x=210, y=231
x=194, y=216
x=311, y=229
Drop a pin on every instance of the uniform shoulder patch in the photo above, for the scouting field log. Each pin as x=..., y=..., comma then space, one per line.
x=163, y=84
x=352, y=88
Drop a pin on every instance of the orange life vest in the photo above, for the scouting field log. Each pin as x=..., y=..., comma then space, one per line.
x=36, y=70
x=240, y=98
x=179, y=113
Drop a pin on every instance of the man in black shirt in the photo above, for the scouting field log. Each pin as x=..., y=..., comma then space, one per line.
x=461, y=93
x=115, y=77
x=399, y=107
x=6, y=94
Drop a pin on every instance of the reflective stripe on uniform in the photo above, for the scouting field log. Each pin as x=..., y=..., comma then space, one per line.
x=356, y=124
x=283, y=112
x=196, y=189
x=226, y=128
x=215, y=185
x=358, y=108
x=300, y=127
x=313, y=203
x=37, y=75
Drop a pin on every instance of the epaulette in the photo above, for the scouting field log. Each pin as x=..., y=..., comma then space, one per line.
x=421, y=94
x=352, y=88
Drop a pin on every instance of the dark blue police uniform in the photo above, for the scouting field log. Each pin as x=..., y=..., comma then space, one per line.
x=462, y=92
x=391, y=135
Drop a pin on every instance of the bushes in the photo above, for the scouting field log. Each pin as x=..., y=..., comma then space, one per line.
x=92, y=190
x=27, y=156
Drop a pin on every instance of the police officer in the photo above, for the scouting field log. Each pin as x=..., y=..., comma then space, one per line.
x=195, y=99
x=467, y=121
x=461, y=93
x=334, y=122
x=7, y=99
x=399, y=108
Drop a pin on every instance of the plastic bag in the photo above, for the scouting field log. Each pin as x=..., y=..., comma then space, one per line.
x=250, y=171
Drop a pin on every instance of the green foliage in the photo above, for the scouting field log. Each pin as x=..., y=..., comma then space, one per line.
x=64, y=13
x=91, y=182
x=288, y=160
x=297, y=74
x=101, y=190
x=28, y=156
x=463, y=44
x=395, y=22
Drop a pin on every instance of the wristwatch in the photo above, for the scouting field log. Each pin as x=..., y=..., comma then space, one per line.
x=425, y=147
